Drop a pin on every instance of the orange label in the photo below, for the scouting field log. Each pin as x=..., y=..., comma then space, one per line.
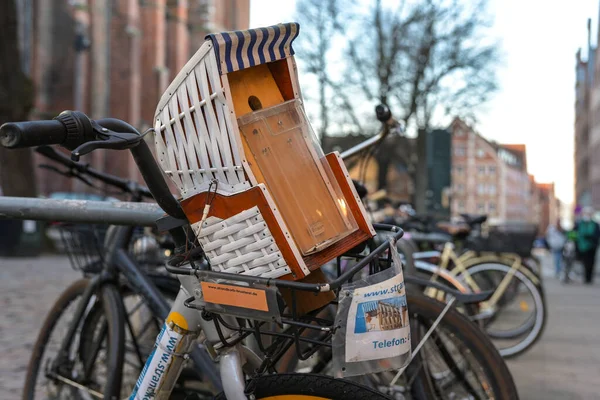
x=238, y=296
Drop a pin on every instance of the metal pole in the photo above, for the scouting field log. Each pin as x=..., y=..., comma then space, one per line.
x=80, y=211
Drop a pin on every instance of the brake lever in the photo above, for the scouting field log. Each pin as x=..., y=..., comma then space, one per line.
x=108, y=140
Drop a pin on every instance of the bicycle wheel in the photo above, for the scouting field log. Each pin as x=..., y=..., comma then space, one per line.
x=458, y=359
x=307, y=387
x=77, y=377
x=518, y=319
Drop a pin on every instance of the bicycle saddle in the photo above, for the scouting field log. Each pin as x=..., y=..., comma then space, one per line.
x=473, y=219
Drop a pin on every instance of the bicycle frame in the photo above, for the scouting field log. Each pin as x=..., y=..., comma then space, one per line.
x=469, y=258
x=119, y=260
x=183, y=324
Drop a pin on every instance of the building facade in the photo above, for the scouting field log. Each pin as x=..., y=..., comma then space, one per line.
x=113, y=58
x=478, y=174
x=587, y=125
x=491, y=178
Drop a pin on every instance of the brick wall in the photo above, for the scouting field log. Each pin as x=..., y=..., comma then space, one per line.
x=149, y=43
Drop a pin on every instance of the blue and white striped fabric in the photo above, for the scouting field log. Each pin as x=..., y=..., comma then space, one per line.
x=243, y=49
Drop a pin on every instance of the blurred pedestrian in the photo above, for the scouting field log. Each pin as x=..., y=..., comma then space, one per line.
x=588, y=236
x=556, y=239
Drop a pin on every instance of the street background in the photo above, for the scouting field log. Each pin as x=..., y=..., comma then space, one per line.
x=564, y=364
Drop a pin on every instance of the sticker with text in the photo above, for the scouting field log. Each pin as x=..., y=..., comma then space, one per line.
x=237, y=296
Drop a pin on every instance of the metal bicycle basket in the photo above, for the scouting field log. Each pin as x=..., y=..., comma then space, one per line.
x=84, y=245
x=515, y=238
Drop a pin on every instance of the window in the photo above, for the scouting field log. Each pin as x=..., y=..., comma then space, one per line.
x=459, y=169
x=460, y=132
x=480, y=188
x=480, y=153
x=460, y=188
x=461, y=205
x=459, y=151
x=492, y=169
x=481, y=170
x=492, y=189
x=492, y=207
x=481, y=207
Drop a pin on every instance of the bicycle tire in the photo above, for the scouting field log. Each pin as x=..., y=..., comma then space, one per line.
x=480, y=346
x=109, y=298
x=541, y=315
x=146, y=333
x=307, y=387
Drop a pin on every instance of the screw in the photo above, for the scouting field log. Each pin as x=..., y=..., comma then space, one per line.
x=197, y=292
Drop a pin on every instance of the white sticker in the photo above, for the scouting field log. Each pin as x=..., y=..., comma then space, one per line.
x=157, y=364
x=377, y=325
x=29, y=226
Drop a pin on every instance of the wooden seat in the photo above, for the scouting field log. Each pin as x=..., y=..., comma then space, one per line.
x=232, y=134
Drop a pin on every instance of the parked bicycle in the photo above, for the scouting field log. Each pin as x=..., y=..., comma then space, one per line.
x=515, y=316
x=205, y=305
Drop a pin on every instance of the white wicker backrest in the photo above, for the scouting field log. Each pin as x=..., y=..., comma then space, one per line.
x=195, y=131
x=241, y=244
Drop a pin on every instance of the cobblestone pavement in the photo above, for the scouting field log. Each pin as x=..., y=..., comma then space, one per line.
x=28, y=288
x=564, y=364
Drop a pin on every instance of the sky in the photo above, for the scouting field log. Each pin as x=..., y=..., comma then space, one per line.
x=535, y=102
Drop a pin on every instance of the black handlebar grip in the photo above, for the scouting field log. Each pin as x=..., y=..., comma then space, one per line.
x=14, y=135
x=383, y=113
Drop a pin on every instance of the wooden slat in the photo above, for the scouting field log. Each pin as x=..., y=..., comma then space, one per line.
x=347, y=186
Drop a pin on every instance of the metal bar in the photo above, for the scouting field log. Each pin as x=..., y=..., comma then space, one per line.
x=77, y=385
x=80, y=211
x=363, y=145
x=422, y=342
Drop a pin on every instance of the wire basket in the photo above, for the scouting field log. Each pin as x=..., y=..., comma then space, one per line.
x=84, y=245
x=307, y=331
x=514, y=238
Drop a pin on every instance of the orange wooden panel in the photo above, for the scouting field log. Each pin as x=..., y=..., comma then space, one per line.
x=316, y=260
x=293, y=178
x=279, y=153
x=281, y=73
x=256, y=81
x=228, y=206
x=354, y=203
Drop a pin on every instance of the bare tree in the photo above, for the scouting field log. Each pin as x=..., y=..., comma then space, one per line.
x=425, y=59
x=320, y=22
x=17, y=174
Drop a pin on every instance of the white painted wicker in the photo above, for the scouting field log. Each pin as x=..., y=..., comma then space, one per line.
x=241, y=244
x=195, y=130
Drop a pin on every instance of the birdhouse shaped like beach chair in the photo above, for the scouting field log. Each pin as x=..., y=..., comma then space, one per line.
x=232, y=134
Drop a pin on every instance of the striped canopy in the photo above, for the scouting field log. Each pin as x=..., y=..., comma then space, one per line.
x=243, y=49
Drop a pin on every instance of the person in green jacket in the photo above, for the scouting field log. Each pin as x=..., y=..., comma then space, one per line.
x=588, y=236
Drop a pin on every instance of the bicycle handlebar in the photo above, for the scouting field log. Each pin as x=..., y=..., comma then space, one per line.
x=384, y=115
x=75, y=131
x=69, y=129
x=125, y=185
